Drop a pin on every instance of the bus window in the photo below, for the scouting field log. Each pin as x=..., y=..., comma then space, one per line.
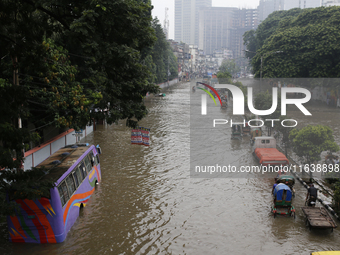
x=95, y=160
x=83, y=170
x=88, y=163
x=97, y=156
x=75, y=177
x=64, y=197
x=70, y=184
x=79, y=175
x=92, y=158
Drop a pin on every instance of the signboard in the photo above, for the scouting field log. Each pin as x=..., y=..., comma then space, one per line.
x=140, y=136
x=79, y=131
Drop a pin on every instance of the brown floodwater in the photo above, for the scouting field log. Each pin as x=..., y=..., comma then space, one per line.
x=147, y=203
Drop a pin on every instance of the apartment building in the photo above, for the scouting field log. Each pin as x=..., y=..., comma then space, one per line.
x=187, y=20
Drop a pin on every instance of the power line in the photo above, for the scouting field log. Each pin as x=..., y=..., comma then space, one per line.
x=43, y=126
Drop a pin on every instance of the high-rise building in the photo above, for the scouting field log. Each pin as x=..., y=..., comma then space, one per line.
x=243, y=21
x=222, y=28
x=215, y=24
x=290, y=4
x=186, y=19
x=266, y=7
x=328, y=3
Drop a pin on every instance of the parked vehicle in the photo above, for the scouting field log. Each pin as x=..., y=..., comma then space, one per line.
x=76, y=171
x=264, y=149
x=224, y=101
x=254, y=132
x=236, y=131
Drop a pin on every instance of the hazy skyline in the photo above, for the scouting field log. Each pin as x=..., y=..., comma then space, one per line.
x=160, y=5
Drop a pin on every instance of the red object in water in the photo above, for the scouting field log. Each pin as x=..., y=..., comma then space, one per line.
x=270, y=156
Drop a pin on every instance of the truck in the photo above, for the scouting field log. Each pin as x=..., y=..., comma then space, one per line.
x=264, y=150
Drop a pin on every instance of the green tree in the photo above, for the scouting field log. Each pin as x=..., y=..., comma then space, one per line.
x=229, y=66
x=307, y=40
x=272, y=23
x=61, y=61
x=22, y=185
x=255, y=39
x=96, y=60
x=224, y=77
x=52, y=82
x=310, y=141
x=163, y=56
x=249, y=39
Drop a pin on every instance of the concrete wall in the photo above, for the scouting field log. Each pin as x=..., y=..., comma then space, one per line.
x=328, y=95
x=165, y=84
x=38, y=154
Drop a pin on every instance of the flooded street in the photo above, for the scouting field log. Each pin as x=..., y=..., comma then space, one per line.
x=147, y=202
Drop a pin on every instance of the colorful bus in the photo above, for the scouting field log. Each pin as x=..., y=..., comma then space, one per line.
x=76, y=171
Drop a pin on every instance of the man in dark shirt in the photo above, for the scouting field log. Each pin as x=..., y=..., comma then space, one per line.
x=312, y=194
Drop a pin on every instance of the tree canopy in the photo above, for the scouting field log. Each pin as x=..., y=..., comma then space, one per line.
x=229, y=66
x=162, y=56
x=305, y=42
x=310, y=141
x=64, y=64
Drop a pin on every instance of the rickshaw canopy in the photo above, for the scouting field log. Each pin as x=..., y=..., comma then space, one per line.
x=286, y=178
x=281, y=190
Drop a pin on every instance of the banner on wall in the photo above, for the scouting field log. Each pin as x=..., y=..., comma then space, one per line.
x=140, y=136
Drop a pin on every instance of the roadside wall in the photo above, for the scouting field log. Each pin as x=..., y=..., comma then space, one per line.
x=165, y=84
x=330, y=96
x=38, y=154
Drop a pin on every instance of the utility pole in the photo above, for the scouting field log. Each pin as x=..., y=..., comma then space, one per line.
x=168, y=72
x=16, y=83
x=166, y=24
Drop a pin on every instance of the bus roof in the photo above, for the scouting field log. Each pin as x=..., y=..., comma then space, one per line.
x=60, y=161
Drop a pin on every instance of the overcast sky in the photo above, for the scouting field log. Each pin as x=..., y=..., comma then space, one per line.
x=160, y=5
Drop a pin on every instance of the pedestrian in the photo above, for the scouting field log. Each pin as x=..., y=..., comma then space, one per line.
x=312, y=195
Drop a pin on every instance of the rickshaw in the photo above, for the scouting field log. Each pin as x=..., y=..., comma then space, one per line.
x=283, y=201
x=236, y=131
x=224, y=101
x=246, y=129
x=289, y=180
x=254, y=132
